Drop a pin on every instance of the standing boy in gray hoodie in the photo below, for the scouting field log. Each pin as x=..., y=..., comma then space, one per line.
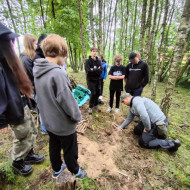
x=59, y=110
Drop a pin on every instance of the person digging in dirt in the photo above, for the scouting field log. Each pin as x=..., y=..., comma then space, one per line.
x=13, y=106
x=93, y=68
x=152, y=129
x=58, y=108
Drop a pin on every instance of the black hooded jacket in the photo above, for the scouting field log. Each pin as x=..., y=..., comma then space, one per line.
x=93, y=68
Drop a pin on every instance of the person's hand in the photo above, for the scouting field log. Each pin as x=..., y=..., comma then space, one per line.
x=91, y=69
x=99, y=67
x=145, y=131
x=119, y=129
x=104, y=80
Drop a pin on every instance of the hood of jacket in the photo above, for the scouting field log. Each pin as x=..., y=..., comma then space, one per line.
x=42, y=66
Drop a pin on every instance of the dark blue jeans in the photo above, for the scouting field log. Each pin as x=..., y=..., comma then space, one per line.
x=149, y=139
x=134, y=92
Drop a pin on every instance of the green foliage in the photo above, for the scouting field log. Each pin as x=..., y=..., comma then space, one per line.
x=6, y=173
x=88, y=184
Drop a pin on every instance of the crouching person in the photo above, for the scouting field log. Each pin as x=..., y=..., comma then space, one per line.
x=152, y=129
x=59, y=110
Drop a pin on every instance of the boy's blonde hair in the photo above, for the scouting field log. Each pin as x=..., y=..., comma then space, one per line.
x=118, y=58
x=28, y=42
x=54, y=45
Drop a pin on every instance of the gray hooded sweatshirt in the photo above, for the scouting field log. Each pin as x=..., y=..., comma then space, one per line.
x=58, y=108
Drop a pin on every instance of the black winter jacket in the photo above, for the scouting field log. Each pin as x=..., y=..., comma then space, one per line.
x=11, y=105
x=28, y=65
x=96, y=66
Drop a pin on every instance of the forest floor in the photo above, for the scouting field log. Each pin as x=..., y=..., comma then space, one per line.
x=103, y=151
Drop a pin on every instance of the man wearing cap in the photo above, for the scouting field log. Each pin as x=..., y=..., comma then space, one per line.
x=137, y=75
x=152, y=129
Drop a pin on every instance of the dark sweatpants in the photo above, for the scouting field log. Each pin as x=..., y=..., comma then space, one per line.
x=94, y=87
x=134, y=92
x=118, y=94
x=149, y=139
x=101, y=86
x=70, y=149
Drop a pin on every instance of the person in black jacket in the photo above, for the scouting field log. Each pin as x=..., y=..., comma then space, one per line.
x=30, y=45
x=93, y=68
x=137, y=75
x=39, y=52
x=13, y=108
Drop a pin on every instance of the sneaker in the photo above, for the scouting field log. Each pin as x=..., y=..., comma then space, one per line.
x=56, y=174
x=90, y=111
x=177, y=144
x=33, y=158
x=100, y=97
x=109, y=110
x=22, y=168
x=97, y=109
x=81, y=174
x=116, y=110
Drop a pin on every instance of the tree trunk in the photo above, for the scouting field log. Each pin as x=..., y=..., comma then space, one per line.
x=183, y=70
x=23, y=14
x=121, y=32
x=134, y=27
x=167, y=69
x=82, y=31
x=153, y=95
x=143, y=20
x=152, y=41
x=92, y=22
x=100, y=48
x=148, y=27
x=65, y=181
x=42, y=12
x=71, y=56
x=126, y=31
x=166, y=42
x=179, y=50
x=110, y=21
x=53, y=9
x=13, y=23
x=114, y=42
x=75, y=61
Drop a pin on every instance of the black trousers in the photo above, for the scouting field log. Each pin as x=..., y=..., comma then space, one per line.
x=101, y=86
x=70, y=149
x=94, y=87
x=150, y=139
x=118, y=94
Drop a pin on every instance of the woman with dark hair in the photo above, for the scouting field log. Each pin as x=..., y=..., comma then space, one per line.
x=13, y=106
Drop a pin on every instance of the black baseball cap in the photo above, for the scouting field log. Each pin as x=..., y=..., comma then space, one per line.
x=6, y=33
x=132, y=55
